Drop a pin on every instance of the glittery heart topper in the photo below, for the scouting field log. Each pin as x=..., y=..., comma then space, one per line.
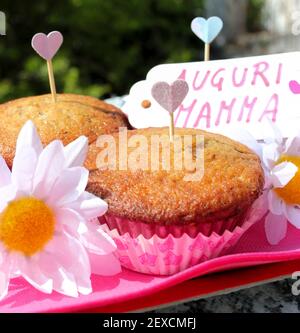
x=47, y=46
x=170, y=96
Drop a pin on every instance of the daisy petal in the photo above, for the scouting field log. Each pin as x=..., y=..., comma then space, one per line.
x=59, y=248
x=270, y=154
x=107, y=265
x=275, y=203
x=63, y=281
x=283, y=173
x=273, y=132
x=75, y=152
x=275, y=227
x=49, y=167
x=268, y=182
x=243, y=136
x=24, y=168
x=84, y=284
x=28, y=137
x=2, y=254
x=89, y=206
x=5, y=174
x=4, y=274
x=7, y=194
x=98, y=241
x=16, y=259
x=71, y=254
x=69, y=186
x=293, y=146
x=81, y=268
x=32, y=273
x=293, y=215
x=72, y=221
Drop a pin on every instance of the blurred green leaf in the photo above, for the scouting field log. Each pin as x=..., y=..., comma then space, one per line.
x=108, y=44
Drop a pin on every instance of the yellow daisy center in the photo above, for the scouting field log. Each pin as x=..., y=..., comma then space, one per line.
x=26, y=225
x=290, y=193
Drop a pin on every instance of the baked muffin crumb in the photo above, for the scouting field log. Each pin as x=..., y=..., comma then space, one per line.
x=67, y=119
x=233, y=179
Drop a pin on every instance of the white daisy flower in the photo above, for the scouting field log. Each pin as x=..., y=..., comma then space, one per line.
x=281, y=158
x=281, y=163
x=46, y=218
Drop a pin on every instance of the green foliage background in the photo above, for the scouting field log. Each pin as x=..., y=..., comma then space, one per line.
x=108, y=44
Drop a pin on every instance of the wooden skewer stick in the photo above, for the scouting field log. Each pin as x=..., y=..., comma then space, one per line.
x=207, y=52
x=51, y=80
x=171, y=129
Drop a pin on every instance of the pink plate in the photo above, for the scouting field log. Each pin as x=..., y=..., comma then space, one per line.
x=251, y=250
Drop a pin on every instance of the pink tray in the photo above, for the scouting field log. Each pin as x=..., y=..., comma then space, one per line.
x=251, y=250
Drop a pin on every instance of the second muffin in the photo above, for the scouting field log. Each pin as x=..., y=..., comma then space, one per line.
x=70, y=117
x=156, y=216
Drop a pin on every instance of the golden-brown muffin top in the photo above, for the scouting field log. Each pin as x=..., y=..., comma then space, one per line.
x=233, y=179
x=67, y=119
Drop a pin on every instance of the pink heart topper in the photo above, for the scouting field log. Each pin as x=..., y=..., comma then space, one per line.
x=47, y=45
x=170, y=96
x=294, y=87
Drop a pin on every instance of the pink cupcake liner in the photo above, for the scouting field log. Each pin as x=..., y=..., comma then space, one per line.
x=136, y=228
x=168, y=251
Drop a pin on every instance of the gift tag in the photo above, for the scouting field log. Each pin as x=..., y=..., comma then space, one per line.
x=240, y=92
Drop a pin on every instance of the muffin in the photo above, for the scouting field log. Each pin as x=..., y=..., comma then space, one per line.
x=162, y=222
x=67, y=119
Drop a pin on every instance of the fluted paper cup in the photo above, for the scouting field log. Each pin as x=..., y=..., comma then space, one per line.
x=165, y=250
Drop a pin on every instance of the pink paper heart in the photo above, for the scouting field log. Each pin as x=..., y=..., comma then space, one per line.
x=294, y=87
x=170, y=96
x=47, y=45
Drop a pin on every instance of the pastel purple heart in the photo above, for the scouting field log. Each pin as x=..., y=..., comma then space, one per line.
x=47, y=45
x=294, y=87
x=170, y=96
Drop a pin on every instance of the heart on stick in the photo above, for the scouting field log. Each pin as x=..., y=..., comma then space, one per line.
x=294, y=87
x=207, y=30
x=170, y=96
x=47, y=45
